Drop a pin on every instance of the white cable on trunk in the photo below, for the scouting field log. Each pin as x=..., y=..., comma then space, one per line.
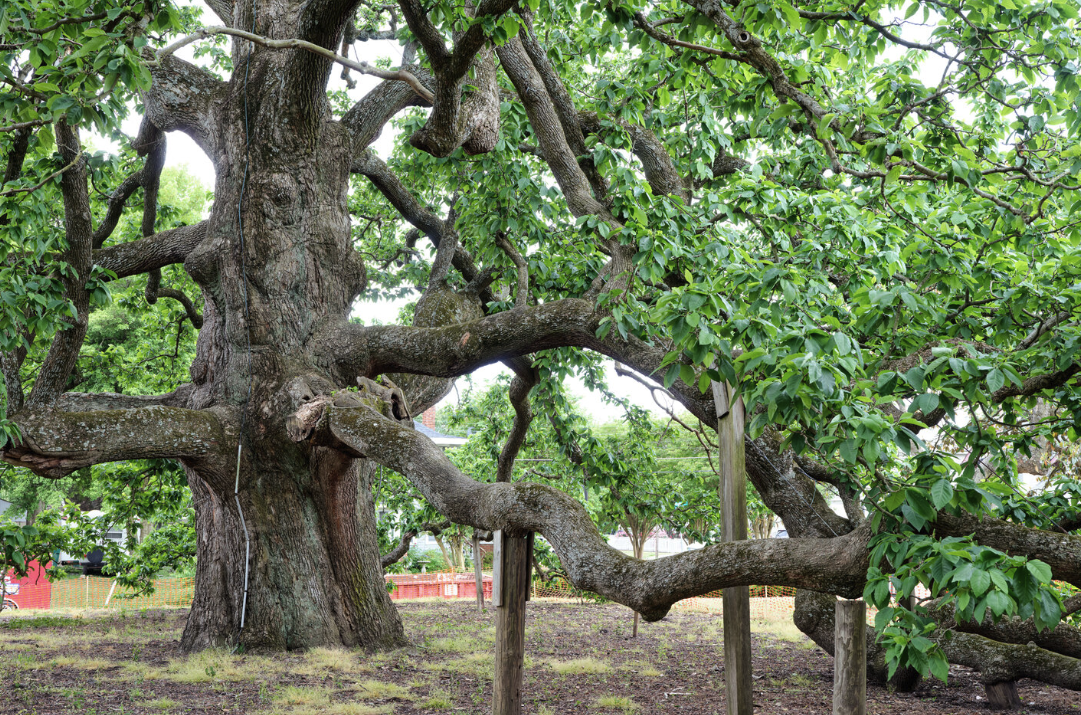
x=247, y=540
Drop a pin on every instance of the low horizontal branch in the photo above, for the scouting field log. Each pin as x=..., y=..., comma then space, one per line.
x=146, y=254
x=55, y=443
x=93, y=401
x=837, y=565
x=1062, y=552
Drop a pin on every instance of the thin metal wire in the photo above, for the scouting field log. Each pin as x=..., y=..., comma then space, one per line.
x=247, y=326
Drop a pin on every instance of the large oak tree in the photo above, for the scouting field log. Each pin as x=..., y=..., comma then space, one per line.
x=862, y=214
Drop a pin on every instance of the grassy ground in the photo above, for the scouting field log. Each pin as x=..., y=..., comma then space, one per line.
x=580, y=659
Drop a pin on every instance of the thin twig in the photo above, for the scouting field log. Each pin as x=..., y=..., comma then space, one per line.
x=23, y=125
x=50, y=177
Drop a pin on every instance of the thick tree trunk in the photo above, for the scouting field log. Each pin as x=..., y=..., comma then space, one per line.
x=314, y=577
x=270, y=273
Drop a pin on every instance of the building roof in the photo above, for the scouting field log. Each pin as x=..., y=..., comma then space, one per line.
x=5, y=505
x=440, y=439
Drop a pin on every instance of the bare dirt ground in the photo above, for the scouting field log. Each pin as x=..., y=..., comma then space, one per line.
x=581, y=659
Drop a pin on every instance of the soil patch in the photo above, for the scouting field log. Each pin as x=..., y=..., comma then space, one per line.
x=580, y=659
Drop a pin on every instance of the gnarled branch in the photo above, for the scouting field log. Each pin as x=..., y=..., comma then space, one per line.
x=146, y=254
x=79, y=231
x=649, y=587
x=182, y=98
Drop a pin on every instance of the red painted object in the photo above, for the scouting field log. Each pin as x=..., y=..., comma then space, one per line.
x=33, y=591
x=436, y=585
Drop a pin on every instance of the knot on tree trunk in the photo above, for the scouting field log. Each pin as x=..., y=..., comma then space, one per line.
x=308, y=423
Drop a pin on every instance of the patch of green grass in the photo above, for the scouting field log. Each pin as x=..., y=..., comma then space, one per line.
x=799, y=680
x=211, y=665
x=292, y=695
x=479, y=665
x=784, y=630
x=456, y=644
x=323, y=659
x=376, y=690
x=438, y=700
x=616, y=702
x=14, y=624
x=580, y=666
x=161, y=704
x=77, y=662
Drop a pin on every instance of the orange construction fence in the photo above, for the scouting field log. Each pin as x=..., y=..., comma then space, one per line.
x=87, y=592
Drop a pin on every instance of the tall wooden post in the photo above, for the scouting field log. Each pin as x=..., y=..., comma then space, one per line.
x=512, y=570
x=850, y=658
x=737, y=599
x=478, y=572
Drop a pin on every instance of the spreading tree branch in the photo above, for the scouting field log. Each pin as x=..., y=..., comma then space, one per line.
x=146, y=254
x=650, y=587
x=361, y=67
x=55, y=443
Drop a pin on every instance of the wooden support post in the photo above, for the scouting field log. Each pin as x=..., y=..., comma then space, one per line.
x=478, y=573
x=850, y=659
x=512, y=578
x=737, y=599
x=1003, y=696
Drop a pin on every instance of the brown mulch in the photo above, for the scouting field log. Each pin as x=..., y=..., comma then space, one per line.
x=675, y=666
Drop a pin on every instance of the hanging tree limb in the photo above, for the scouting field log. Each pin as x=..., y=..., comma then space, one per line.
x=78, y=231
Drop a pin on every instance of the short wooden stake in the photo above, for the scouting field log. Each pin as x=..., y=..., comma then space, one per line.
x=477, y=572
x=850, y=659
x=1003, y=696
x=512, y=568
x=497, y=568
x=737, y=599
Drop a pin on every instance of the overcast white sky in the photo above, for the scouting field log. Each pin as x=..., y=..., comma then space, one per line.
x=183, y=152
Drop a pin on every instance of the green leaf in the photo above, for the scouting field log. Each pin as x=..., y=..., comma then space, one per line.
x=998, y=602
x=825, y=132
x=894, y=500
x=893, y=175
x=995, y=380
x=941, y=493
x=940, y=668
x=980, y=582
x=1039, y=570
x=849, y=451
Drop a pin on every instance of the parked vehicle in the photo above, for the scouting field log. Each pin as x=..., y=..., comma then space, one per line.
x=93, y=561
x=11, y=588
